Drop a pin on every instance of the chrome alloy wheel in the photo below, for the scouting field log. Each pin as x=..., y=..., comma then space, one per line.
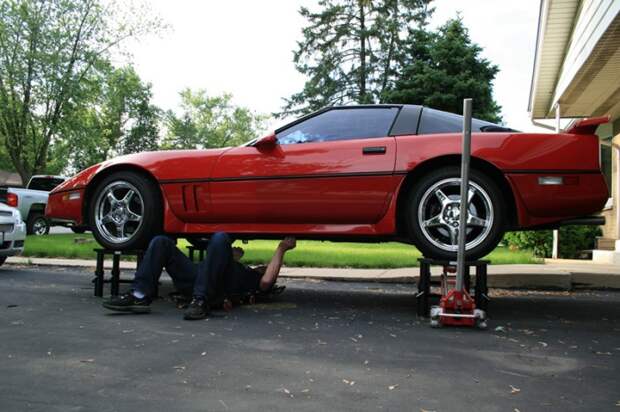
x=119, y=211
x=439, y=214
x=39, y=226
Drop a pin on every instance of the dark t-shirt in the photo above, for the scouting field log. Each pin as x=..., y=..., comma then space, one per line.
x=241, y=279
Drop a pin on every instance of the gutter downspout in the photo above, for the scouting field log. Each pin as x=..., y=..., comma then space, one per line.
x=556, y=232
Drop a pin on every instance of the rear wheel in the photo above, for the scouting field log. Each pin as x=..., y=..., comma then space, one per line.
x=125, y=211
x=2, y=260
x=434, y=212
x=37, y=225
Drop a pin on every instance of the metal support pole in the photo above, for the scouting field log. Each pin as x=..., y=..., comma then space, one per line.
x=465, y=157
x=556, y=233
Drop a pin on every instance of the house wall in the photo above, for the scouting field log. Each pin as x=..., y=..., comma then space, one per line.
x=611, y=230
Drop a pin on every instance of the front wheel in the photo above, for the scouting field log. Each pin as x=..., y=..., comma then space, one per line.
x=434, y=213
x=125, y=211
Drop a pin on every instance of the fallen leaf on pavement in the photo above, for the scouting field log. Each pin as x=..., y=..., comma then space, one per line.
x=514, y=390
x=87, y=360
x=392, y=387
x=288, y=392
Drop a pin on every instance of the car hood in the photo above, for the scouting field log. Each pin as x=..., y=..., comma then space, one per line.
x=163, y=165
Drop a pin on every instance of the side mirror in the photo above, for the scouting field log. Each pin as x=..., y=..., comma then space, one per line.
x=268, y=142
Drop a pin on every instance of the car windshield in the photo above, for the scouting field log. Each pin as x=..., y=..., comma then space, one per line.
x=44, y=183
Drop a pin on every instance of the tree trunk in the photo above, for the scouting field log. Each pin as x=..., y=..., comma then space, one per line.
x=388, y=60
x=362, y=79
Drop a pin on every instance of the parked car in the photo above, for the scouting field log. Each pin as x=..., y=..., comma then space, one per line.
x=31, y=201
x=357, y=173
x=12, y=232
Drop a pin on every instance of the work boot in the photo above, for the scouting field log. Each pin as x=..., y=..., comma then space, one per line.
x=127, y=302
x=198, y=309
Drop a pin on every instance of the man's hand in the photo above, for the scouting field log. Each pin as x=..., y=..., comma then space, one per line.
x=273, y=268
x=237, y=253
x=288, y=243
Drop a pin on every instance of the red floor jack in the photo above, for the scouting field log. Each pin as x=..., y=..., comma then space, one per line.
x=456, y=306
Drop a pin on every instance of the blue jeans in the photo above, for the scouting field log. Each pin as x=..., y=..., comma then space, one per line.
x=206, y=278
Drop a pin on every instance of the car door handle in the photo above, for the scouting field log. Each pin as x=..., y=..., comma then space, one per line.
x=374, y=150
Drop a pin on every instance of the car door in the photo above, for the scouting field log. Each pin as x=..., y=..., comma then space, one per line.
x=334, y=167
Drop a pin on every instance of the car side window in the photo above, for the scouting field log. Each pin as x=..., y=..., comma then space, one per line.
x=341, y=124
x=435, y=121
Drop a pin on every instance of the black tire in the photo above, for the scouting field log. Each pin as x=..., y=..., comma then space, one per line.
x=37, y=224
x=78, y=229
x=2, y=260
x=151, y=211
x=488, y=236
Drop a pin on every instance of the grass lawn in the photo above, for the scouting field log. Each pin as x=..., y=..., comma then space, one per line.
x=308, y=253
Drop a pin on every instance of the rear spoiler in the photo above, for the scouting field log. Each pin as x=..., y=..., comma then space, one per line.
x=587, y=126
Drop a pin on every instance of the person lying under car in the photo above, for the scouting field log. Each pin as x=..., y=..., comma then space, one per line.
x=220, y=274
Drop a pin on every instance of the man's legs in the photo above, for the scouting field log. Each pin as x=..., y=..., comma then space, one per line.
x=163, y=253
x=210, y=276
x=211, y=271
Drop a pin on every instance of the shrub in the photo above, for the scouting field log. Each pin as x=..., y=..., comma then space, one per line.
x=573, y=240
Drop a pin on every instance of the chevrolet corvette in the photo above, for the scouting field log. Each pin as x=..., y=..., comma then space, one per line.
x=368, y=173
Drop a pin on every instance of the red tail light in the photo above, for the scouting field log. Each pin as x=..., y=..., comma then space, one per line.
x=11, y=199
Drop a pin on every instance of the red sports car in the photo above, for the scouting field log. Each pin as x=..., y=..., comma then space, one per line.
x=357, y=173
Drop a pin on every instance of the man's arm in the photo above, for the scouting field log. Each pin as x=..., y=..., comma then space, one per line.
x=273, y=268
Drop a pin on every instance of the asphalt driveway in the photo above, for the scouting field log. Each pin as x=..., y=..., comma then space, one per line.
x=321, y=346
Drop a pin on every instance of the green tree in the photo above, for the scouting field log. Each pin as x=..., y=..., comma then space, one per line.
x=574, y=240
x=130, y=120
x=48, y=50
x=349, y=50
x=118, y=119
x=441, y=69
x=208, y=122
